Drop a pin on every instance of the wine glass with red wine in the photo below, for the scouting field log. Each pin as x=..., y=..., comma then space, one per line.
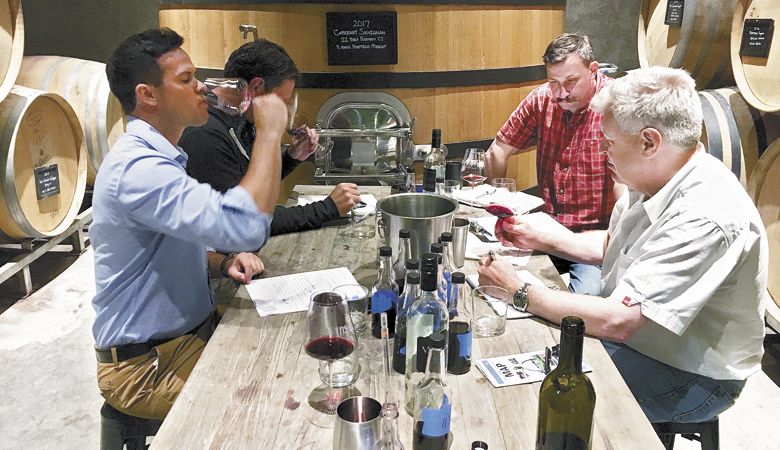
x=331, y=336
x=472, y=169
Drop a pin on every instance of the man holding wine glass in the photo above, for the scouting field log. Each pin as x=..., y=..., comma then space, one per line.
x=153, y=225
x=572, y=171
x=219, y=151
x=685, y=258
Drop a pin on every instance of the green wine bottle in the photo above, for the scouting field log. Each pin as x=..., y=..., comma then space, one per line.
x=566, y=398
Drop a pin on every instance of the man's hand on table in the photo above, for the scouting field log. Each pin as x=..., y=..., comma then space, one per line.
x=345, y=196
x=244, y=266
x=498, y=273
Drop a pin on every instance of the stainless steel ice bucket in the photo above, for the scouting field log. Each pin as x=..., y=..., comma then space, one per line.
x=427, y=216
x=358, y=425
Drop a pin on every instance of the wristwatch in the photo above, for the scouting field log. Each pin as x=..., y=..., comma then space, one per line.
x=520, y=298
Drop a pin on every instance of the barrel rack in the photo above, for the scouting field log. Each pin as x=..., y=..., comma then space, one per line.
x=29, y=250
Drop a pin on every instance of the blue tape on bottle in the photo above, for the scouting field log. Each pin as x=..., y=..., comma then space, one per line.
x=464, y=344
x=436, y=421
x=382, y=301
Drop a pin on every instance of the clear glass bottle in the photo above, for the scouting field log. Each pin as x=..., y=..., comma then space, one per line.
x=389, y=439
x=403, y=254
x=566, y=398
x=447, y=265
x=411, y=292
x=427, y=322
x=438, y=249
x=433, y=406
x=459, y=333
x=384, y=294
x=434, y=164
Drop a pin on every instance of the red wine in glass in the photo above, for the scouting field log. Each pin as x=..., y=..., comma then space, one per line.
x=474, y=179
x=329, y=348
x=500, y=211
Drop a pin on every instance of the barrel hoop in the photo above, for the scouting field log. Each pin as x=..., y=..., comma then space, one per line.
x=50, y=73
x=6, y=159
x=714, y=142
x=175, y=3
x=736, y=143
x=410, y=80
x=758, y=124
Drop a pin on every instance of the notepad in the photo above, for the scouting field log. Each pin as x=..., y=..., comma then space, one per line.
x=482, y=195
x=291, y=293
x=519, y=369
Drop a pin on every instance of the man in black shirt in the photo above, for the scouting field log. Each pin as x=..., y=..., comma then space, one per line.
x=219, y=151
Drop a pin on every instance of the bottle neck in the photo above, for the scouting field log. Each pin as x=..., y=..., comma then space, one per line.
x=446, y=259
x=437, y=367
x=411, y=290
x=429, y=281
x=570, y=356
x=407, y=249
x=385, y=268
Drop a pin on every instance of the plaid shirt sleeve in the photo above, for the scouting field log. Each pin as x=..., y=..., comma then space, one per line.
x=520, y=130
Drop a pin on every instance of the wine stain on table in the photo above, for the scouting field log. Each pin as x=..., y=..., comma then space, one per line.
x=290, y=403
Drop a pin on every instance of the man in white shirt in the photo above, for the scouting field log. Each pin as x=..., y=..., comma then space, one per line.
x=684, y=259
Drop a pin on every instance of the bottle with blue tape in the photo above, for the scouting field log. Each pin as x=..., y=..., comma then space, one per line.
x=459, y=334
x=410, y=293
x=433, y=405
x=384, y=294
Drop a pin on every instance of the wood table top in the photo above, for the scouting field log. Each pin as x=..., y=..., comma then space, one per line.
x=250, y=387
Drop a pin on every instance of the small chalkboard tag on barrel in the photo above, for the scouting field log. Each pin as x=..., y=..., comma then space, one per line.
x=47, y=181
x=674, y=13
x=362, y=38
x=757, y=37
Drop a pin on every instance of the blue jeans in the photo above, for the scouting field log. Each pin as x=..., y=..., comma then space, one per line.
x=666, y=394
x=583, y=278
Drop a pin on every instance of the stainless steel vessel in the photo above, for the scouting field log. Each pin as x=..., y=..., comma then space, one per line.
x=427, y=216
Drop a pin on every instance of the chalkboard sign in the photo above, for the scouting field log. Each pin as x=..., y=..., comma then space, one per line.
x=47, y=181
x=674, y=13
x=757, y=37
x=357, y=38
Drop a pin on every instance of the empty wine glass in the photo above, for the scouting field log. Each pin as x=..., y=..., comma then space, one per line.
x=297, y=126
x=472, y=169
x=331, y=337
x=231, y=95
x=507, y=184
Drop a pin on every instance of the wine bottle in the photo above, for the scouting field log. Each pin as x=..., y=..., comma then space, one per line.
x=403, y=254
x=433, y=406
x=566, y=398
x=447, y=265
x=459, y=333
x=389, y=439
x=438, y=249
x=384, y=294
x=411, y=292
x=433, y=166
x=427, y=323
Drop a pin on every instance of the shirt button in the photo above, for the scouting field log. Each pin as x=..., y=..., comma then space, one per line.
x=566, y=169
x=561, y=191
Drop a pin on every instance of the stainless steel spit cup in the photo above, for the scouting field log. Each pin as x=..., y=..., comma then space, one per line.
x=460, y=231
x=358, y=425
x=427, y=216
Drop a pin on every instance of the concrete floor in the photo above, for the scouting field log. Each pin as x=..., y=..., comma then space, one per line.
x=50, y=398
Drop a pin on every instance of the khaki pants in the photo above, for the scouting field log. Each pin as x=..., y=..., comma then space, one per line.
x=146, y=386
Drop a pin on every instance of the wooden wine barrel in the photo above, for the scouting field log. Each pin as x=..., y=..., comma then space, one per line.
x=757, y=78
x=43, y=167
x=85, y=86
x=701, y=45
x=461, y=68
x=11, y=43
x=764, y=189
x=735, y=132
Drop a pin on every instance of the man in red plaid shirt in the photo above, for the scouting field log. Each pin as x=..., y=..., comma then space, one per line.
x=574, y=182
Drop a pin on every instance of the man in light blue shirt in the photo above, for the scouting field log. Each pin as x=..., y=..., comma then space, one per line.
x=153, y=226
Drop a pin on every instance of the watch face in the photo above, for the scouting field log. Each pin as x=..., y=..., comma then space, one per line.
x=520, y=299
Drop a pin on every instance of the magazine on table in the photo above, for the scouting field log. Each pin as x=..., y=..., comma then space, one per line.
x=522, y=368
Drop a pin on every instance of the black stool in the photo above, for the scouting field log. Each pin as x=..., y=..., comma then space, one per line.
x=705, y=432
x=117, y=429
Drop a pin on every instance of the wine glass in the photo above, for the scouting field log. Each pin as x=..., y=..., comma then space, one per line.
x=472, y=169
x=297, y=125
x=507, y=184
x=331, y=337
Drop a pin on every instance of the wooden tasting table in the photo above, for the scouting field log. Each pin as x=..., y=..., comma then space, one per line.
x=250, y=387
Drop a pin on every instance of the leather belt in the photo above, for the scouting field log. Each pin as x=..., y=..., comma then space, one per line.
x=129, y=351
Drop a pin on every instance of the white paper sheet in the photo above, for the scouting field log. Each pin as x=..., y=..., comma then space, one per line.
x=368, y=199
x=525, y=276
x=482, y=195
x=291, y=293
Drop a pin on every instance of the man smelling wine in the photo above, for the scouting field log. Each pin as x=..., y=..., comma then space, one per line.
x=684, y=259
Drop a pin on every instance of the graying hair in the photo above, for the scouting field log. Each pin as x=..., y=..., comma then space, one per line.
x=659, y=97
x=566, y=45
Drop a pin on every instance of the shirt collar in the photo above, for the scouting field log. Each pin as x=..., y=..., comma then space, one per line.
x=144, y=130
x=655, y=205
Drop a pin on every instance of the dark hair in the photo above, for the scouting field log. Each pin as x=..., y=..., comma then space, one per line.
x=262, y=58
x=134, y=62
x=568, y=44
